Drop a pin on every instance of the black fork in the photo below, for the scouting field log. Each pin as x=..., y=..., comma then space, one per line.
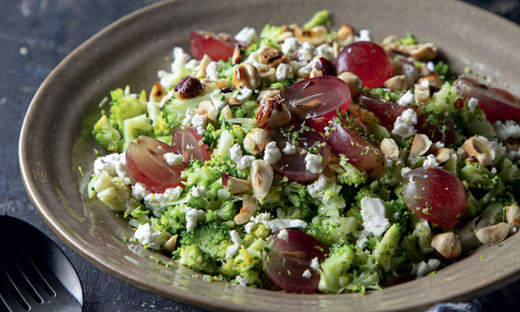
x=35, y=275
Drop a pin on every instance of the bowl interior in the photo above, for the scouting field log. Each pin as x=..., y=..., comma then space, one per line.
x=56, y=140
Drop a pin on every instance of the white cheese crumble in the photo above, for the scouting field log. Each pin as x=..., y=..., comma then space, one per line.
x=289, y=149
x=315, y=264
x=113, y=164
x=157, y=202
x=198, y=191
x=403, y=125
x=283, y=234
x=173, y=159
x=247, y=35
x=364, y=35
x=313, y=163
x=406, y=99
x=307, y=274
x=216, y=99
x=306, y=51
x=243, y=94
x=325, y=51
x=272, y=153
x=373, y=215
x=148, y=236
x=283, y=71
x=290, y=44
x=237, y=242
x=305, y=69
x=139, y=191
x=473, y=104
x=430, y=66
x=188, y=116
x=424, y=268
x=243, y=162
x=212, y=71
x=192, y=217
x=430, y=161
x=241, y=281
x=317, y=186
x=361, y=239
x=506, y=129
x=274, y=225
x=199, y=122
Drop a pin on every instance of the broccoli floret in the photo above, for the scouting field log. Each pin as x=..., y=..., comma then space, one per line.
x=192, y=257
x=320, y=18
x=334, y=274
x=269, y=36
x=409, y=40
x=443, y=101
x=474, y=175
x=174, y=110
x=112, y=191
x=445, y=72
x=386, y=248
x=125, y=105
x=212, y=239
x=136, y=126
x=350, y=175
x=332, y=230
x=384, y=94
x=474, y=122
x=107, y=136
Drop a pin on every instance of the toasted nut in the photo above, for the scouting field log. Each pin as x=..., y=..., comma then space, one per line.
x=170, y=244
x=226, y=112
x=390, y=149
x=346, y=34
x=423, y=52
x=188, y=87
x=353, y=81
x=207, y=109
x=246, y=76
x=267, y=93
x=420, y=145
x=247, y=211
x=166, y=98
x=221, y=83
x=204, y=62
x=447, y=244
x=479, y=148
x=272, y=113
x=261, y=178
x=433, y=80
x=237, y=55
x=396, y=83
x=315, y=36
x=235, y=185
x=157, y=93
x=493, y=234
x=272, y=57
x=234, y=102
x=444, y=154
x=391, y=43
x=364, y=115
x=269, y=76
x=513, y=215
x=421, y=92
x=256, y=140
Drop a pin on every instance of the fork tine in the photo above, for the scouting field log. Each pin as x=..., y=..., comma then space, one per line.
x=12, y=295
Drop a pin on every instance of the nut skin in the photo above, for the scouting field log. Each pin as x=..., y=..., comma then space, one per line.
x=433, y=79
x=423, y=52
x=248, y=210
x=204, y=62
x=188, y=87
x=246, y=76
x=444, y=154
x=493, y=234
x=256, y=140
x=272, y=113
x=447, y=244
x=170, y=244
x=353, y=81
x=261, y=178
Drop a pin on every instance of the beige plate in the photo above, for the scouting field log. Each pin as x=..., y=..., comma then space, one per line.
x=54, y=140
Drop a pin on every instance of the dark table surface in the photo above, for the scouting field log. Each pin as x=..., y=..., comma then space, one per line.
x=34, y=36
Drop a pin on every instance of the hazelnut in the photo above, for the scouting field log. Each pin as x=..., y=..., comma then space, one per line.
x=272, y=57
x=246, y=76
x=420, y=145
x=261, y=178
x=353, y=81
x=272, y=113
x=188, y=87
x=396, y=83
x=256, y=140
x=248, y=210
x=493, y=234
x=447, y=244
x=235, y=185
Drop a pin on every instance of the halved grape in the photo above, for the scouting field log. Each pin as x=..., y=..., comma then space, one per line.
x=317, y=99
x=288, y=259
x=215, y=46
x=359, y=152
x=146, y=164
x=293, y=166
x=496, y=103
x=188, y=142
x=435, y=195
x=368, y=60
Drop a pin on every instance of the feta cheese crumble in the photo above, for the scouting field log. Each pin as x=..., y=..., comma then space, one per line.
x=290, y=44
x=364, y=35
x=274, y=225
x=373, y=214
x=237, y=242
x=283, y=234
x=473, y=104
x=430, y=161
x=506, y=129
x=192, y=217
x=313, y=163
x=406, y=99
x=283, y=71
x=307, y=274
x=173, y=159
x=149, y=236
x=247, y=35
x=403, y=125
x=289, y=149
x=272, y=153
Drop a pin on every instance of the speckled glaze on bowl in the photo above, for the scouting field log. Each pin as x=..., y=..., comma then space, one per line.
x=55, y=139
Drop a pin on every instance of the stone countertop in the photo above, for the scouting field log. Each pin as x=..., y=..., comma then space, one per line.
x=34, y=36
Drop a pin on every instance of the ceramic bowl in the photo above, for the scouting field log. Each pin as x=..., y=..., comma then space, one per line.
x=55, y=139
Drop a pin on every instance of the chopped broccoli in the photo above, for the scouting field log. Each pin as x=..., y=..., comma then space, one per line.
x=211, y=239
x=445, y=72
x=174, y=110
x=350, y=175
x=269, y=36
x=107, y=136
x=443, y=101
x=386, y=248
x=474, y=122
x=409, y=40
x=136, y=126
x=334, y=274
x=125, y=105
x=112, y=191
x=332, y=230
x=320, y=18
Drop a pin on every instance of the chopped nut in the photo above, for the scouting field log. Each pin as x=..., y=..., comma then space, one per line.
x=493, y=234
x=391, y=43
x=246, y=76
x=272, y=113
x=235, y=185
x=345, y=34
x=221, y=83
x=269, y=76
x=234, y=102
x=204, y=62
x=267, y=93
x=389, y=149
x=479, y=149
x=226, y=112
x=396, y=83
x=433, y=80
x=237, y=55
x=247, y=211
x=261, y=178
x=206, y=108
x=447, y=244
x=420, y=145
x=170, y=244
x=353, y=81
x=422, y=93
x=513, y=215
x=188, y=87
x=423, y=52
x=256, y=140
x=444, y=154
x=315, y=36
x=272, y=57
x=157, y=93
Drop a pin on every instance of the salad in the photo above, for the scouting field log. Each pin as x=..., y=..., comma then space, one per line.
x=308, y=160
